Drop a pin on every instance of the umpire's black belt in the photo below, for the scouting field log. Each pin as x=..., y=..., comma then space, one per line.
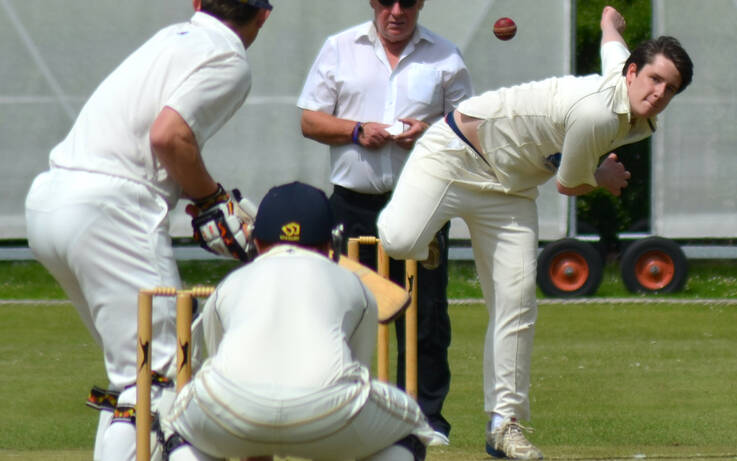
x=375, y=201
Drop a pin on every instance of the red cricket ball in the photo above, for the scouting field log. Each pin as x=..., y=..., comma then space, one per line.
x=505, y=28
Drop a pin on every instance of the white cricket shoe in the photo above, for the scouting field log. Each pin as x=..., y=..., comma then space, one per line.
x=439, y=440
x=508, y=441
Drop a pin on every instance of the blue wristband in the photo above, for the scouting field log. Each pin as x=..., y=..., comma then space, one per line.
x=357, y=132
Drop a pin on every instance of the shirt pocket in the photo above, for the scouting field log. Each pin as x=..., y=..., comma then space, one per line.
x=423, y=83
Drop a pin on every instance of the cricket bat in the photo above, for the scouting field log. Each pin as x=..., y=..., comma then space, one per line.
x=391, y=299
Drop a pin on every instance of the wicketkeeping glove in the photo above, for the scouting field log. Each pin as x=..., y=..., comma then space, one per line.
x=221, y=224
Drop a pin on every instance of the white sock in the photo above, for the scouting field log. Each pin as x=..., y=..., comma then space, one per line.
x=190, y=453
x=496, y=420
x=392, y=453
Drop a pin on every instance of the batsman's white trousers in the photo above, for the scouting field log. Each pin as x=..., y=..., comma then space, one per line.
x=103, y=238
x=355, y=418
x=503, y=230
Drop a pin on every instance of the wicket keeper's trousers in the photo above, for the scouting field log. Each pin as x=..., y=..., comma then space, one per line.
x=503, y=231
x=353, y=417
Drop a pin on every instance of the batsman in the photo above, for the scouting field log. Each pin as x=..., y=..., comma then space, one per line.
x=98, y=218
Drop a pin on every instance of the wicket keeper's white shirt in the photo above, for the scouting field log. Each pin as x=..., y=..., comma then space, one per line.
x=525, y=126
x=198, y=68
x=351, y=78
x=288, y=325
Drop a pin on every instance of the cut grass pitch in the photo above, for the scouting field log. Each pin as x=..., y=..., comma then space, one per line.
x=608, y=381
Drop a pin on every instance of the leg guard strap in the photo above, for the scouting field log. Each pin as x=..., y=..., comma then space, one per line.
x=124, y=414
x=172, y=443
x=414, y=445
x=102, y=399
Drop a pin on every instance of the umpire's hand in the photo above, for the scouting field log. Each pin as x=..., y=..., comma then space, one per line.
x=406, y=140
x=374, y=135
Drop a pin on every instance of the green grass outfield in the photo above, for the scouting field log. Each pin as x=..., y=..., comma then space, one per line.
x=610, y=380
x=707, y=279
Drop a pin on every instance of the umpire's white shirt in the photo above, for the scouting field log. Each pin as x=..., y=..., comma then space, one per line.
x=351, y=78
x=197, y=68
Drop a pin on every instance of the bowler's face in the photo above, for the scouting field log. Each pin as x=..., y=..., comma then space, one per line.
x=394, y=23
x=651, y=89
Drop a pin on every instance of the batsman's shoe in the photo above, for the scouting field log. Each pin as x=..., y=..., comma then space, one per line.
x=439, y=439
x=508, y=441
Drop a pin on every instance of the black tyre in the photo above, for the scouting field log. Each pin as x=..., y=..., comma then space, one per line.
x=654, y=265
x=569, y=268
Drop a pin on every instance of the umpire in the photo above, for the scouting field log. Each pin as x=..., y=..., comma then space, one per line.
x=371, y=92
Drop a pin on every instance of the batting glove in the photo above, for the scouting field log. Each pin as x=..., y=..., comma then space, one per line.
x=221, y=224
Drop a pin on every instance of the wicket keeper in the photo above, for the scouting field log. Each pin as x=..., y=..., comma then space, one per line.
x=290, y=337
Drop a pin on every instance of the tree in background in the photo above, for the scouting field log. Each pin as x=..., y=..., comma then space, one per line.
x=600, y=212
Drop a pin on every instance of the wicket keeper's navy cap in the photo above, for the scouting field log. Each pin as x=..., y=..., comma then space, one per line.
x=258, y=3
x=294, y=213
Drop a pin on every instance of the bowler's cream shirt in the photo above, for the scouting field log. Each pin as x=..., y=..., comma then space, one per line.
x=582, y=118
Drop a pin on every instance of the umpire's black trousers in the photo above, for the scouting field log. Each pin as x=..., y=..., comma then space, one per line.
x=358, y=213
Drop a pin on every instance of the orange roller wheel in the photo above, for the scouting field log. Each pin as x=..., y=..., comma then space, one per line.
x=654, y=265
x=569, y=271
x=569, y=268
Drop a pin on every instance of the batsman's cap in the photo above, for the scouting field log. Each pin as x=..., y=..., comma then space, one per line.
x=294, y=213
x=258, y=3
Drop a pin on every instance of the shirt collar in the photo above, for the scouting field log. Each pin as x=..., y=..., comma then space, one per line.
x=207, y=21
x=619, y=100
x=290, y=249
x=367, y=31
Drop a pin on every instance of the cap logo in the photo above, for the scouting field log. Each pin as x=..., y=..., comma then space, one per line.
x=290, y=232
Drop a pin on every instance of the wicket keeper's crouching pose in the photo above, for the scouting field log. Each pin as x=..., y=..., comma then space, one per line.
x=97, y=219
x=484, y=163
x=291, y=336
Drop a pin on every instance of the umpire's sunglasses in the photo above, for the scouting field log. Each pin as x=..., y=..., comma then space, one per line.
x=402, y=3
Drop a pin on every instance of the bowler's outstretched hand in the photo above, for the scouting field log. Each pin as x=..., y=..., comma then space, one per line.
x=612, y=175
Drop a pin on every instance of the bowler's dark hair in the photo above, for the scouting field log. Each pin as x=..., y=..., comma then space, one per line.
x=670, y=48
x=230, y=10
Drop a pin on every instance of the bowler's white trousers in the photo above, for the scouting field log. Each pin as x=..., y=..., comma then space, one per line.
x=437, y=184
x=103, y=238
x=355, y=418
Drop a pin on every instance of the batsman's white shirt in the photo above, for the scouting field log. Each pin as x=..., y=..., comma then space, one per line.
x=292, y=335
x=198, y=68
x=351, y=78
